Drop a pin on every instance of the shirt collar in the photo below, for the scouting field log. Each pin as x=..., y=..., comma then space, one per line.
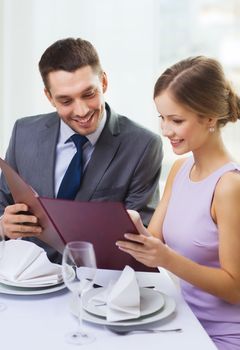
x=66, y=132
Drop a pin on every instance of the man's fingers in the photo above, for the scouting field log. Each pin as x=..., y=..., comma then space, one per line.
x=15, y=208
x=24, y=219
x=27, y=229
x=15, y=235
x=15, y=231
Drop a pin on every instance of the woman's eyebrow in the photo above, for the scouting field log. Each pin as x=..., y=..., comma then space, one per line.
x=170, y=115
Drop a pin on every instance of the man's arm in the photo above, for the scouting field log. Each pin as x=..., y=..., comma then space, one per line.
x=143, y=194
x=14, y=222
x=5, y=195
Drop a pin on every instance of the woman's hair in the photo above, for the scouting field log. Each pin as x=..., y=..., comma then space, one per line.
x=199, y=83
x=69, y=55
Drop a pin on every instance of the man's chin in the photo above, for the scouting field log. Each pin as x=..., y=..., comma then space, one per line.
x=83, y=130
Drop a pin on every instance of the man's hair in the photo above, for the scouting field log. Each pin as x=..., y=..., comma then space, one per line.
x=199, y=83
x=69, y=55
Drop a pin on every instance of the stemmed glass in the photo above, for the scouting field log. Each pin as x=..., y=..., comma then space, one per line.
x=79, y=269
x=2, y=242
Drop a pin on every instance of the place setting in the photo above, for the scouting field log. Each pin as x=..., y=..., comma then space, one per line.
x=123, y=306
x=26, y=270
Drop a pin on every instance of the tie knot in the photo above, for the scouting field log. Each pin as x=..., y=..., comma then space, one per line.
x=78, y=140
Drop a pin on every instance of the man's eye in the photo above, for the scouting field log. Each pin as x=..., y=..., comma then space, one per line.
x=65, y=103
x=90, y=94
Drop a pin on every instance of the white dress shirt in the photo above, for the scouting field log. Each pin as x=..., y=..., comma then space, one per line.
x=66, y=151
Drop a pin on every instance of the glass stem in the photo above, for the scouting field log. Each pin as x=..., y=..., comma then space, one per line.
x=80, y=308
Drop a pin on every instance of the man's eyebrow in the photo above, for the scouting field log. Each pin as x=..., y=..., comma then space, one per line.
x=62, y=97
x=92, y=87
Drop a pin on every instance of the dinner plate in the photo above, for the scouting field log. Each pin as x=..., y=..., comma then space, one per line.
x=168, y=308
x=5, y=289
x=150, y=301
x=29, y=285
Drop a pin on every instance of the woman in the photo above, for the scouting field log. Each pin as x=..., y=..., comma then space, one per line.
x=195, y=230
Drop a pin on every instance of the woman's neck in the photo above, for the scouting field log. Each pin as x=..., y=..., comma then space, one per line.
x=209, y=158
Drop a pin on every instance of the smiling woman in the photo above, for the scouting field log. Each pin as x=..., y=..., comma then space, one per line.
x=181, y=126
x=195, y=228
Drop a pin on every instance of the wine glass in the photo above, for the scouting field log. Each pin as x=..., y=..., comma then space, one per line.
x=79, y=269
x=2, y=242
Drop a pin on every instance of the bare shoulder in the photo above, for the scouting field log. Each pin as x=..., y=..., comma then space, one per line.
x=226, y=203
x=176, y=166
x=228, y=186
x=173, y=171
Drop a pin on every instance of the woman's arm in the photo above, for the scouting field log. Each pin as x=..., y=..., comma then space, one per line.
x=223, y=282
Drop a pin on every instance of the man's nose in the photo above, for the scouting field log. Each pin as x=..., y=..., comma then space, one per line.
x=80, y=108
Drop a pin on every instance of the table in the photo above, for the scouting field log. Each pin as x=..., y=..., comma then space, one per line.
x=40, y=322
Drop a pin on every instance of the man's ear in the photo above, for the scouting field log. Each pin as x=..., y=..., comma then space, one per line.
x=104, y=82
x=49, y=97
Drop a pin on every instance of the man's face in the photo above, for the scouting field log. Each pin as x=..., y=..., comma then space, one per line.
x=78, y=98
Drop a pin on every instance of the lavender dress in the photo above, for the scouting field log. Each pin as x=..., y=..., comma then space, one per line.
x=189, y=229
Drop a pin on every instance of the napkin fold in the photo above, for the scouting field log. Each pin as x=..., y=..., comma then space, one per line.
x=26, y=263
x=122, y=298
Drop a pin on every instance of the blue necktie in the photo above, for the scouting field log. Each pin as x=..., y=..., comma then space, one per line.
x=72, y=179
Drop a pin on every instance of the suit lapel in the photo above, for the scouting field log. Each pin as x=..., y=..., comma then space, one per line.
x=105, y=149
x=47, y=154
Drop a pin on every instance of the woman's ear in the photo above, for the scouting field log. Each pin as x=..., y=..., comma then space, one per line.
x=212, y=122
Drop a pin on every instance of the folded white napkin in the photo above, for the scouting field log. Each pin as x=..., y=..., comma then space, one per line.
x=26, y=263
x=122, y=298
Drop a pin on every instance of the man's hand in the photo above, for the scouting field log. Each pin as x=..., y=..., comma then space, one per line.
x=16, y=222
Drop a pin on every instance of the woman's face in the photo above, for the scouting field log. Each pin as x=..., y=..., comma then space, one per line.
x=184, y=129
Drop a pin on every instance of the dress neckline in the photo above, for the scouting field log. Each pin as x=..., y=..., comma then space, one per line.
x=226, y=165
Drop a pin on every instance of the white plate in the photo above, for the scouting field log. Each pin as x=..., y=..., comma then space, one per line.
x=29, y=291
x=167, y=310
x=29, y=285
x=150, y=302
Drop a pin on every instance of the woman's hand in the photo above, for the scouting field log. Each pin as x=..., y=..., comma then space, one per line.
x=150, y=251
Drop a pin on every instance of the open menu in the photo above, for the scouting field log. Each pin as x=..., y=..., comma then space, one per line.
x=101, y=223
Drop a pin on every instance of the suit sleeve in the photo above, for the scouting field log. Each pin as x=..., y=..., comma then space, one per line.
x=5, y=195
x=143, y=194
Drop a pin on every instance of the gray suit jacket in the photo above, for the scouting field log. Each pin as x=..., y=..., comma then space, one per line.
x=125, y=165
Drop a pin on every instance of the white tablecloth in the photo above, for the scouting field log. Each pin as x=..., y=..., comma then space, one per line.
x=40, y=322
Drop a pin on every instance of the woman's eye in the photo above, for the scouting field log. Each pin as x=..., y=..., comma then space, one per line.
x=177, y=121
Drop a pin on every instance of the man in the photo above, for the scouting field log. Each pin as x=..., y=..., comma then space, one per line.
x=121, y=161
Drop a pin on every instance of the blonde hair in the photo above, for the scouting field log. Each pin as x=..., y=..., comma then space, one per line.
x=200, y=84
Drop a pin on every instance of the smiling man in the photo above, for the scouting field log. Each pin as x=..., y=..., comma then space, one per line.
x=120, y=160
